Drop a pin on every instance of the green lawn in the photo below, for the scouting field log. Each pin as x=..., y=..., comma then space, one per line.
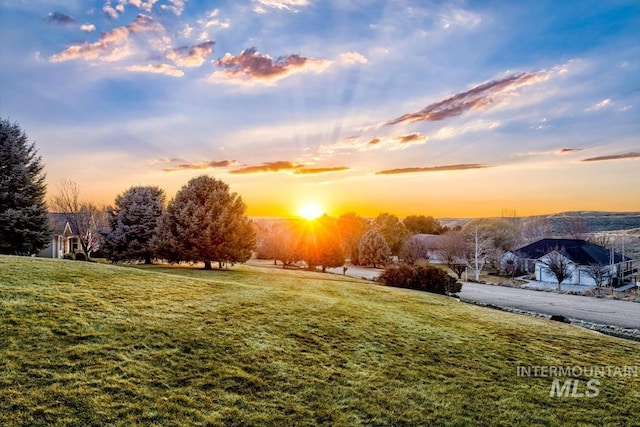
x=92, y=344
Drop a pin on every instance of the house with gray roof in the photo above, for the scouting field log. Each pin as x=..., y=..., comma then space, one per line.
x=64, y=239
x=588, y=264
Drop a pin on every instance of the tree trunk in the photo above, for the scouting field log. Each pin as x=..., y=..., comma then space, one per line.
x=85, y=249
x=147, y=260
x=207, y=265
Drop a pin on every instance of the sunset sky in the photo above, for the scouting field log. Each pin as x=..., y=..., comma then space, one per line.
x=442, y=108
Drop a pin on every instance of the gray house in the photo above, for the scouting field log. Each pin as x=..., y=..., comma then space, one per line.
x=584, y=259
x=64, y=239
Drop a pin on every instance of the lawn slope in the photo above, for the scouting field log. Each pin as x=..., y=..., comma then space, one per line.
x=89, y=344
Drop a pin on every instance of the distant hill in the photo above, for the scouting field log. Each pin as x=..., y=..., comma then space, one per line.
x=593, y=222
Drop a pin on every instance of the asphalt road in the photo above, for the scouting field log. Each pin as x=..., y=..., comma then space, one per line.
x=624, y=314
x=602, y=311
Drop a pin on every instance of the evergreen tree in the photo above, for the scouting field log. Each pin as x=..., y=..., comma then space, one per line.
x=133, y=224
x=393, y=231
x=24, y=222
x=205, y=223
x=373, y=249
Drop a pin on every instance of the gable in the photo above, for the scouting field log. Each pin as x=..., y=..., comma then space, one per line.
x=60, y=225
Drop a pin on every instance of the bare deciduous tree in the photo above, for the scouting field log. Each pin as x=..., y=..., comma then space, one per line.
x=600, y=273
x=83, y=216
x=454, y=252
x=479, y=255
x=559, y=265
x=536, y=228
x=414, y=249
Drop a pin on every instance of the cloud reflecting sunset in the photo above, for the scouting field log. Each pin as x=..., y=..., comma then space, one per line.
x=450, y=109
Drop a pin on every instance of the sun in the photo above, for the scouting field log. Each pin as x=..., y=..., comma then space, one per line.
x=310, y=211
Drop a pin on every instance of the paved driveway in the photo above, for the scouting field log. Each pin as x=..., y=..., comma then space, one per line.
x=624, y=314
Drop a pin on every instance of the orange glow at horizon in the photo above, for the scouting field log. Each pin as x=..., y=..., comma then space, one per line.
x=536, y=189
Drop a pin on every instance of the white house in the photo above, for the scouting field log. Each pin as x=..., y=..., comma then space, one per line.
x=587, y=263
x=64, y=239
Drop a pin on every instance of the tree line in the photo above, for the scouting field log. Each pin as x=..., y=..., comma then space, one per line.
x=206, y=222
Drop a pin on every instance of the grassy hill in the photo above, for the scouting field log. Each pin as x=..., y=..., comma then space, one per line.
x=89, y=344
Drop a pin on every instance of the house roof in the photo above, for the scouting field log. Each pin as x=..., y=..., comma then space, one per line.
x=432, y=241
x=579, y=251
x=58, y=222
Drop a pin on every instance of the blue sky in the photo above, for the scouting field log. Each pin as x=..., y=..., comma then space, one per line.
x=446, y=108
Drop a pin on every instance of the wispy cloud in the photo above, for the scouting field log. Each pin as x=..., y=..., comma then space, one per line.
x=112, y=12
x=213, y=20
x=481, y=96
x=547, y=153
x=277, y=166
x=114, y=8
x=312, y=171
x=366, y=141
x=350, y=58
x=163, y=160
x=406, y=139
x=111, y=45
x=284, y=165
x=459, y=18
x=631, y=155
x=191, y=56
x=449, y=132
x=200, y=166
x=249, y=67
x=464, y=166
x=144, y=5
x=166, y=69
x=59, y=18
x=145, y=23
x=290, y=5
x=600, y=105
x=568, y=150
x=88, y=28
x=176, y=6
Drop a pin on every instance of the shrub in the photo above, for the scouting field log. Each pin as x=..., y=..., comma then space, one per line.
x=424, y=278
x=80, y=256
x=68, y=256
x=398, y=275
x=432, y=279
